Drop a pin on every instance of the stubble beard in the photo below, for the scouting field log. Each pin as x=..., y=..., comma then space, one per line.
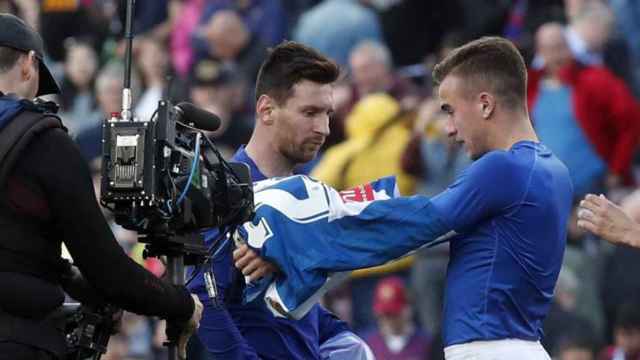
x=300, y=154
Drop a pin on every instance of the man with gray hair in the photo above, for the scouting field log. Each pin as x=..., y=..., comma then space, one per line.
x=371, y=67
x=371, y=71
x=591, y=38
x=589, y=30
x=108, y=87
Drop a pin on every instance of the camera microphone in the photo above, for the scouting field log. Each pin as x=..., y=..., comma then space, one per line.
x=197, y=117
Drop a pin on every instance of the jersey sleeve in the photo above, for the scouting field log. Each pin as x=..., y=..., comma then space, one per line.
x=221, y=337
x=218, y=332
x=488, y=187
x=329, y=325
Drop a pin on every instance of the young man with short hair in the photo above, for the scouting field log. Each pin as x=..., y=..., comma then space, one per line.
x=505, y=215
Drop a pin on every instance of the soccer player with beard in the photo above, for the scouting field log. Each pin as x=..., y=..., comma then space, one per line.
x=294, y=93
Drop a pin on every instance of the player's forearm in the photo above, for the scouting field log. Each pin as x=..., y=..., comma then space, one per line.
x=390, y=229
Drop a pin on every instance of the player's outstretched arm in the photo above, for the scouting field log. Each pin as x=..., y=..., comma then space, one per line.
x=600, y=216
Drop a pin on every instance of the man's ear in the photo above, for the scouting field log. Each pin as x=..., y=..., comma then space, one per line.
x=487, y=103
x=26, y=62
x=265, y=108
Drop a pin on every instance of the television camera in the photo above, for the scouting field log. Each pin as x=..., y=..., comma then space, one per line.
x=158, y=180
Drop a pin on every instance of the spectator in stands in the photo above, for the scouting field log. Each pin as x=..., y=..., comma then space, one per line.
x=371, y=71
x=627, y=14
x=591, y=38
x=525, y=17
x=265, y=19
x=396, y=336
x=63, y=19
x=151, y=17
x=28, y=10
x=562, y=318
x=153, y=62
x=218, y=88
x=413, y=29
x=618, y=283
x=575, y=347
x=350, y=23
x=626, y=334
x=377, y=133
x=184, y=16
x=594, y=132
x=242, y=49
x=108, y=90
x=589, y=29
x=77, y=97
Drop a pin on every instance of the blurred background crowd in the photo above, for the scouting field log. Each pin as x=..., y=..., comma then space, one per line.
x=584, y=83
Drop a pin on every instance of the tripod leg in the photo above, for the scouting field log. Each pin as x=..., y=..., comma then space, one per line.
x=175, y=269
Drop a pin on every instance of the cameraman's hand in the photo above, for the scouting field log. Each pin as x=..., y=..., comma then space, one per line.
x=190, y=328
x=251, y=264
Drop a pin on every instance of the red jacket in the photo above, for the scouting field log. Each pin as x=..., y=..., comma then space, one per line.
x=605, y=109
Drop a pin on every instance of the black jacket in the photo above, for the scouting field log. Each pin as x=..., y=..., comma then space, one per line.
x=47, y=199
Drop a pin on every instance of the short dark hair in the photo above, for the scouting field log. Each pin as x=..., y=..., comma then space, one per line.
x=289, y=63
x=8, y=58
x=490, y=61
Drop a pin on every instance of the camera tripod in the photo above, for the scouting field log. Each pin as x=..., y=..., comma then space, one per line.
x=179, y=251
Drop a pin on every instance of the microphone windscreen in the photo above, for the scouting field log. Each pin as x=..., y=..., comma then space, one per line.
x=200, y=118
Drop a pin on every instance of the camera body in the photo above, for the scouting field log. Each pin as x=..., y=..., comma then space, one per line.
x=158, y=181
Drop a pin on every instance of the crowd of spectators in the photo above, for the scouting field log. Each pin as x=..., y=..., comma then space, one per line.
x=584, y=83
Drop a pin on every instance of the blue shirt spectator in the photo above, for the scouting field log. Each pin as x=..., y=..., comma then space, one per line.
x=334, y=27
x=558, y=128
x=267, y=19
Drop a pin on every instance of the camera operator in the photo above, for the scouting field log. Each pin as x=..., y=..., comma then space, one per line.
x=46, y=198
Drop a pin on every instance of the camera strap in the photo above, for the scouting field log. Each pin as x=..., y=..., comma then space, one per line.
x=16, y=135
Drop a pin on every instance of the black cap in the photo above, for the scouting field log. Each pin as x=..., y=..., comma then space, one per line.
x=17, y=34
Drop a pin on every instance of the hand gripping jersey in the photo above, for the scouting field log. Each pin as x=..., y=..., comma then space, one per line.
x=317, y=235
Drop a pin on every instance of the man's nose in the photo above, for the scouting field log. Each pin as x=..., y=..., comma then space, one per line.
x=321, y=125
x=450, y=128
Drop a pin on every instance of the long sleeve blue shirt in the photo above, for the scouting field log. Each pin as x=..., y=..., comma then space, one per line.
x=237, y=331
